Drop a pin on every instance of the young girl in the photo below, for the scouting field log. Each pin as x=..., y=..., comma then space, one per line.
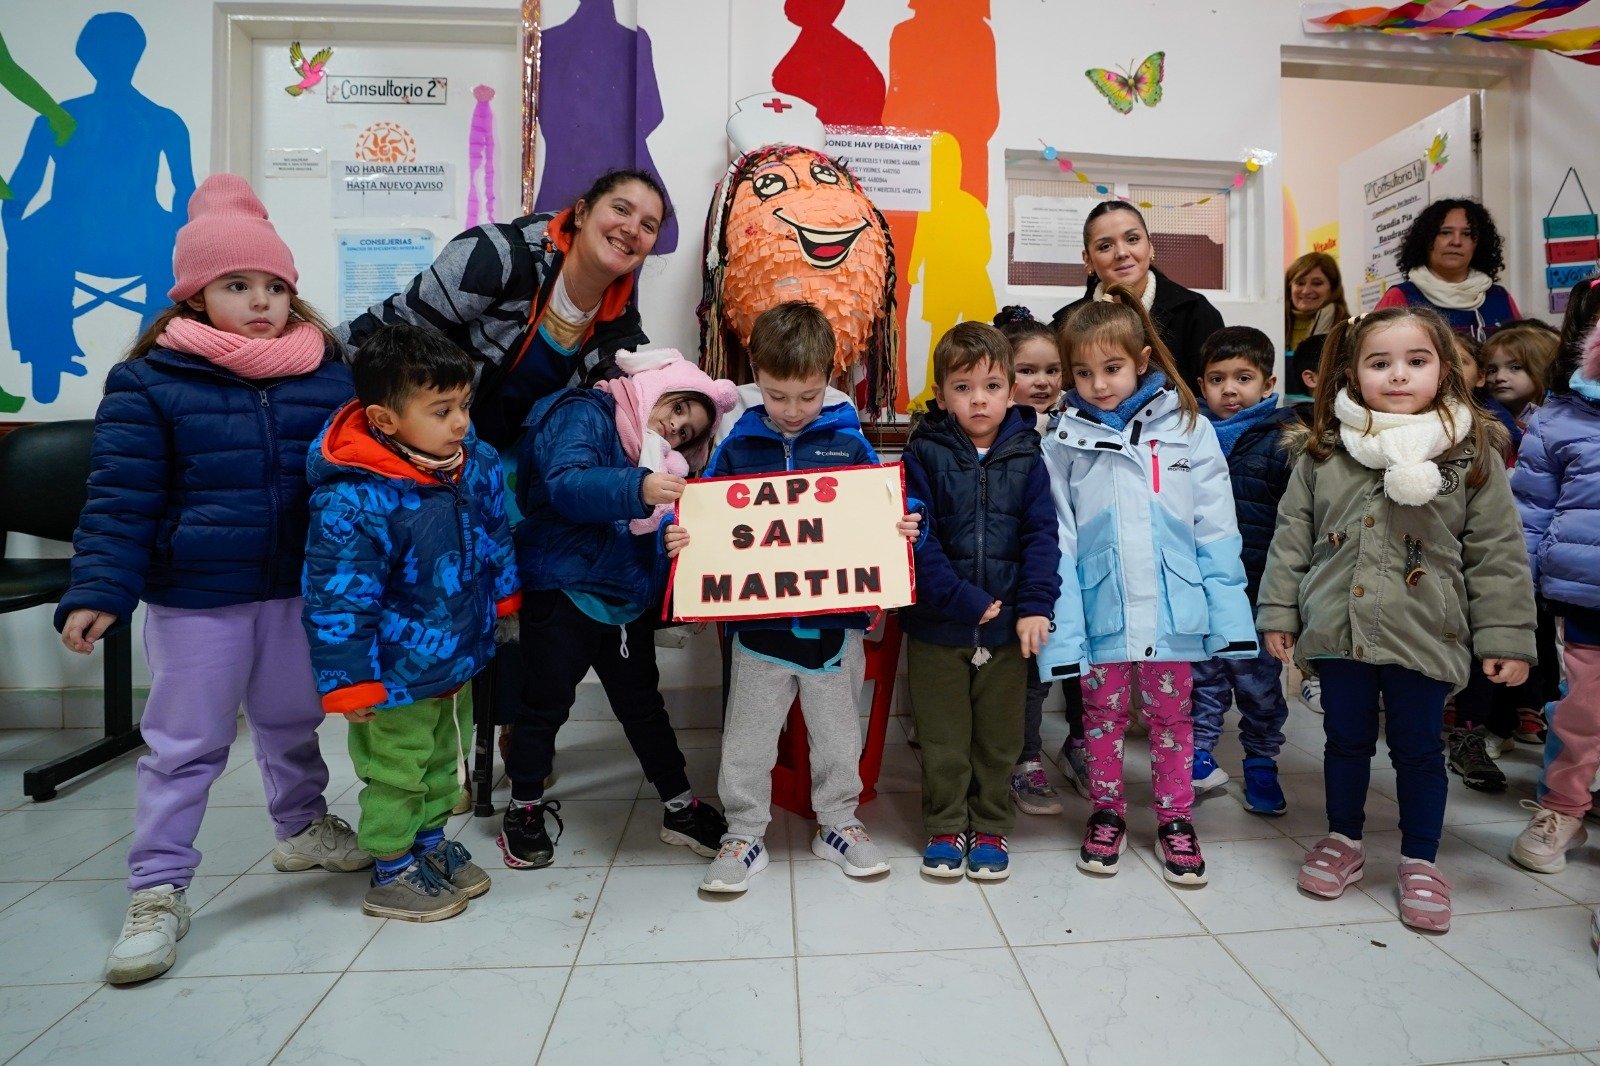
x=1151, y=577
x=1036, y=361
x=597, y=470
x=1556, y=485
x=1396, y=561
x=1515, y=363
x=197, y=505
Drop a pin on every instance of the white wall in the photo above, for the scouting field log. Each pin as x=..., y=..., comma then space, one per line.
x=1223, y=96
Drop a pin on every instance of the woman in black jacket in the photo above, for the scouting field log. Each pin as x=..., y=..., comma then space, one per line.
x=1117, y=251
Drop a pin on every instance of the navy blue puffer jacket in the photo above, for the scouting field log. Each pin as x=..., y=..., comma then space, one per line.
x=578, y=490
x=197, y=487
x=1259, y=467
x=992, y=531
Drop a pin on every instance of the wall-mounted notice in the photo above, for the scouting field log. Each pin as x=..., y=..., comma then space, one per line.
x=895, y=170
x=1049, y=229
x=365, y=190
x=385, y=89
x=296, y=163
x=375, y=266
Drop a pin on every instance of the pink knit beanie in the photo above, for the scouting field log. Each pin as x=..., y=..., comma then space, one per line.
x=227, y=231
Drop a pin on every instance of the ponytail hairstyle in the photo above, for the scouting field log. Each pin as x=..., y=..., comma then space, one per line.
x=1337, y=372
x=1583, y=308
x=299, y=311
x=1119, y=320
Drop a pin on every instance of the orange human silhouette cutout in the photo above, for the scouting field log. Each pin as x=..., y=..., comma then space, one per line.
x=950, y=257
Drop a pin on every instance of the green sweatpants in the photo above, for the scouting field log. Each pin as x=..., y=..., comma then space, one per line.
x=406, y=757
x=969, y=721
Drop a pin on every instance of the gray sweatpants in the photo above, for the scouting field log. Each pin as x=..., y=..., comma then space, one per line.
x=760, y=694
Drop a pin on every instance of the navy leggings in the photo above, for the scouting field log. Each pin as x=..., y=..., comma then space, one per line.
x=1413, y=715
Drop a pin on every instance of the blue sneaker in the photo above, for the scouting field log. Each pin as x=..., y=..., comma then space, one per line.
x=1207, y=774
x=1262, y=793
x=987, y=860
x=944, y=854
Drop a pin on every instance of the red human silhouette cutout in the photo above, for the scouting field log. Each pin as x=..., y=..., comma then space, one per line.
x=827, y=68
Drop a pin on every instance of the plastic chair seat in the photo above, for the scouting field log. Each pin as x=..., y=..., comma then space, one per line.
x=28, y=583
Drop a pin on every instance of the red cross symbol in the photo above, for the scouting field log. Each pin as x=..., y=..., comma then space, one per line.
x=777, y=104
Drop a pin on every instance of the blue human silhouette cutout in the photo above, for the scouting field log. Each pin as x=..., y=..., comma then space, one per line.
x=103, y=218
x=598, y=102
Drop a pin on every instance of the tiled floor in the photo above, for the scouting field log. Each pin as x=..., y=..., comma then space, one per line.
x=612, y=956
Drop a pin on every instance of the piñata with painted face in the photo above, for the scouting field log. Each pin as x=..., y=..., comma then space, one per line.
x=791, y=223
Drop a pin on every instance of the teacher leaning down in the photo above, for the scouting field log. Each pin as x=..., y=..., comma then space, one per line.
x=541, y=302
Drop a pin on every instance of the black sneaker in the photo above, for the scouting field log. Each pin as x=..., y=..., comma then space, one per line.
x=523, y=839
x=1469, y=758
x=1179, y=848
x=698, y=827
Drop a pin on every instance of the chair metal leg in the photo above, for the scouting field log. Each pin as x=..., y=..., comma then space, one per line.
x=483, y=738
x=121, y=736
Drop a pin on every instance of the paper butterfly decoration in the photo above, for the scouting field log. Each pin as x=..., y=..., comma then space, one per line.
x=1121, y=90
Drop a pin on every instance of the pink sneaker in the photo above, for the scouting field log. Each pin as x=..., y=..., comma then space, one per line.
x=1424, y=896
x=1542, y=847
x=1331, y=866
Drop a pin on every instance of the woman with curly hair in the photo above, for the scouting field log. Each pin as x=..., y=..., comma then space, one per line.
x=1451, y=258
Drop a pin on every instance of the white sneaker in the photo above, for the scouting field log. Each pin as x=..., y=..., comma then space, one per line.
x=1311, y=694
x=147, y=947
x=328, y=842
x=736, y=863
x=850, y=848
x=1497, y=746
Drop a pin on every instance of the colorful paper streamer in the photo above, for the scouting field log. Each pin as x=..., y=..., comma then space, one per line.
x=1503, y=24
x=1254, y=160
x=480, y=157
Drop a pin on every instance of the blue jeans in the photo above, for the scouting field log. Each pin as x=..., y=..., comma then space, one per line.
x=1257, y=685
x=1414, y=715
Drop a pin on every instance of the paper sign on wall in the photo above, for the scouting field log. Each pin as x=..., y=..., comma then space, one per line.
x=392, y=189
x=375, y=266
x=895, y=171
x=1049, y=229
x=797, y=543
x=296, y=163
x=385, y=89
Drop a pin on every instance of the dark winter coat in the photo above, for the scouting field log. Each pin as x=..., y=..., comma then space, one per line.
x=1258, y=468
x=1182, y=316
x=578, y=491
x=405, y=572
x=992, y=531
x=197, y=485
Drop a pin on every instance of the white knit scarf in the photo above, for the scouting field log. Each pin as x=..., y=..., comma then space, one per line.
x=1402, y=446
x=1456, y=295
x=1148, y=299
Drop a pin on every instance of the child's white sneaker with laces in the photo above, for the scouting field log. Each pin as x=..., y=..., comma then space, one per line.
x=158, y=917
x=328, y=842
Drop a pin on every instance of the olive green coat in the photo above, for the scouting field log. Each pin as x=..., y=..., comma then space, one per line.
x=1337, y=571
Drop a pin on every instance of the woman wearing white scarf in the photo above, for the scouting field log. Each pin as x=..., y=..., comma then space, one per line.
x=1451, y=257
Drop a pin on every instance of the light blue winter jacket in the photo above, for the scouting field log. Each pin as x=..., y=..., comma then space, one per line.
x=1150, y=565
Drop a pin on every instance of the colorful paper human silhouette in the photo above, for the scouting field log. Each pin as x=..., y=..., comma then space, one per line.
x=598, y=103
x=102, y=219
x=829, y=69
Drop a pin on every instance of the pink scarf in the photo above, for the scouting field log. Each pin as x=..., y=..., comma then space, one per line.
x=298, y=351
x=633, y=415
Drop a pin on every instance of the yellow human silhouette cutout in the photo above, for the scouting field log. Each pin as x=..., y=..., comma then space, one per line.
x=950, y=255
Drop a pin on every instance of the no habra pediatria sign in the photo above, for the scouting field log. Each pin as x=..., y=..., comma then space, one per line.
x=800, y=542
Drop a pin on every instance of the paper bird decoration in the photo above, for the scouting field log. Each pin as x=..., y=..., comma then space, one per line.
x=1439, y=151
x=310, y=70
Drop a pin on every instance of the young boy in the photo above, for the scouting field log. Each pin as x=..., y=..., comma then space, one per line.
x=987, y=580
x=408, y=565
x=799, y=425
x=1236, y=385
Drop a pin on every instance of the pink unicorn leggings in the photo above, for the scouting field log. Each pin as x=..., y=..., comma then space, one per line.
x=1163, y=690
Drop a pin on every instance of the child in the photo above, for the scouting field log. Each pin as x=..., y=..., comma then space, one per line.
x=1036, y=359
x=594, y=478
x=1151, y=578
x=818, y=657
x=1397, y=560
x=408, y=565
x=987, y=580
x=1555, y=483
x=1516, y=362
x=1237, y=389
x=197, y=506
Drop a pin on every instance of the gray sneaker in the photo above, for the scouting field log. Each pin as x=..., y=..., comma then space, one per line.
x=737, y=861
x=148, y=945
x=419, y=894
x=1072, y=760
x=850, y=848
x=453, y=862
x=328, y=842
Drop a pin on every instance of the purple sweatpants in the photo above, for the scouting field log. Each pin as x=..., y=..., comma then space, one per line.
x=203, y=665
x=1163, y=690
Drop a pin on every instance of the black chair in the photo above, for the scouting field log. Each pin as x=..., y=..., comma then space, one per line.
x=44, y=478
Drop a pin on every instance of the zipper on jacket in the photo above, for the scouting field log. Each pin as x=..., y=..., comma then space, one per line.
x=1155, y=466
x=272, y=490
x=983, y=506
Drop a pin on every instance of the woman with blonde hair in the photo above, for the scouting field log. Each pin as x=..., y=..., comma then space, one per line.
x=1313, y=298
